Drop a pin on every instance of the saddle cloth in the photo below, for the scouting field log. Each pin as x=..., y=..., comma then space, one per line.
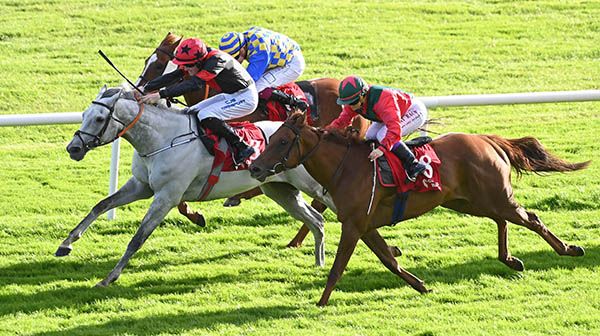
x=279, y=112
x=250, y=134
x=391, y=172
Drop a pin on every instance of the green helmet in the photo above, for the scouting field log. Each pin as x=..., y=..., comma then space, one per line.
x=351, y=89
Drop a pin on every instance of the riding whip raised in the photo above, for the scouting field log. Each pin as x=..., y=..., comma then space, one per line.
x=120, y=73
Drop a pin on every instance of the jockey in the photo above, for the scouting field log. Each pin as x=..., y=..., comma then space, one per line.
x=238, y=96
x=390, y=110
x=273, y=60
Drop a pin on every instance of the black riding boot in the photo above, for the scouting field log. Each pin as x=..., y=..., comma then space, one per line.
x=412, y=167
x=240, y=149
x=287, y=99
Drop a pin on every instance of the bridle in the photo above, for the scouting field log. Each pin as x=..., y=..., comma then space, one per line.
x=296, y=142
x=96, y=142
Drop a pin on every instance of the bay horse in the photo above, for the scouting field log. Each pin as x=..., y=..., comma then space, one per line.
x=163, y=139
x=475, y=175
x=326, y=90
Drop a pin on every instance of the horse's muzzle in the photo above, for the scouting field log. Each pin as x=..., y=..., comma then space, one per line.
x=258, y=173
x=76, y=150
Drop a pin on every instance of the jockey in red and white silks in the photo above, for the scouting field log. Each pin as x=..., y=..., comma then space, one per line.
x=392, y=111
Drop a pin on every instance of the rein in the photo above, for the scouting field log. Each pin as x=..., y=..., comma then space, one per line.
x=111, y=109
x=295, y=142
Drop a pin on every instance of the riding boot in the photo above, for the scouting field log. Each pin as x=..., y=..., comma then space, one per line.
x=287, y=99
x=412, y=167
x=240, y=149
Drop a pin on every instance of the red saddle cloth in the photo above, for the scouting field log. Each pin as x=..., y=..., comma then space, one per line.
x=429, y=180
x=279, y=112
x=250, y=134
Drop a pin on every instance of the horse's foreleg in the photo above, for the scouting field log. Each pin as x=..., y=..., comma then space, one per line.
x=237, y=199
x=194, y=216
x=378, y=245
x=131, y=191
x=348, y=241
x=158, y=210
x=299, y=237
x=503, y=253
x=290, y=199
x=531, y=221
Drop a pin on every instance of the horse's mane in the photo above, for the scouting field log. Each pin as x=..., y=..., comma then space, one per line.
x=128, y=93
x=336, y=136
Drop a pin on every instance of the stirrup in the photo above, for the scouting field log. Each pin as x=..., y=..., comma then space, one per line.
x=418, y=169
x=240, y=156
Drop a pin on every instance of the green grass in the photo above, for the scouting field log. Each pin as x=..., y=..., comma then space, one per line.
x=235, y=276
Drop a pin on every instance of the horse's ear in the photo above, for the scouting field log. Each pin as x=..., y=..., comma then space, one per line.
x=102, y=90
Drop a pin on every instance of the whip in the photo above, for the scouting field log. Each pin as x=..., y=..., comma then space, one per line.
x=120, y=73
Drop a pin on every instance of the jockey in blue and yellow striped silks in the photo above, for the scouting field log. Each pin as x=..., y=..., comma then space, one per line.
x=273, y=58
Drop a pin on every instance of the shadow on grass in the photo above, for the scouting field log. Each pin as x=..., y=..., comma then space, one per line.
x=362, y=280
x=64, y=272
x=176, y=323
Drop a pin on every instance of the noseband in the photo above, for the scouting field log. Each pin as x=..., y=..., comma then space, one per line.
x=296, y=142
x=96, y=142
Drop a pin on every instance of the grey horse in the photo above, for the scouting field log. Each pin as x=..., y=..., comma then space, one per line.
x=169, y=165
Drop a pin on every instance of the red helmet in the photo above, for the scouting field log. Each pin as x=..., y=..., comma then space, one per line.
x=190, y=51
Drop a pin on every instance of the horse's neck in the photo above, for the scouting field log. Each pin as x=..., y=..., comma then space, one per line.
x=156, y=128
x=330, y=160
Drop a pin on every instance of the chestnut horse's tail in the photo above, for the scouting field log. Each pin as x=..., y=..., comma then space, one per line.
x=528, y=155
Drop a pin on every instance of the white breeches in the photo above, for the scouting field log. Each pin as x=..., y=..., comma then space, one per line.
x=414, y=118
x=226, y=106
x=279, y=76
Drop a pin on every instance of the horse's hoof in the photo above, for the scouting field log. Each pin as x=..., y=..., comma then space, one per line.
x=200, y=221
x=231, y=202
x=396, y=251
x=515, y=264
x=101, y=284
x=63, y=251
x=420, y=287
x=576, y=251
x=294, y=244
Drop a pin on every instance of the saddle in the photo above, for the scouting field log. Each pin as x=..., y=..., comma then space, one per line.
x=391, y=172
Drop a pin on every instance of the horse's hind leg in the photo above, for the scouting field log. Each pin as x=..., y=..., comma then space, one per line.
x=503, y=253
x=131, y=191
x=378, y=245
x=194, y=216
x=531, y=221
x=289, y=198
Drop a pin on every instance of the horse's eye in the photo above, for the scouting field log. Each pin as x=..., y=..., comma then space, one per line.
x=283, y=142
x=100, y=119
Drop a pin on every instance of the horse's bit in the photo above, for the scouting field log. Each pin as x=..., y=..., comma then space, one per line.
x=96, y=142
x=282, y=162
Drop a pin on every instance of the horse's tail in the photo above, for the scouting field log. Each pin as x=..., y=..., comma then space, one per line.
x=528, y=155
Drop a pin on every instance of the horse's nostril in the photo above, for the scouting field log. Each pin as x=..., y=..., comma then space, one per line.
x=74, y=149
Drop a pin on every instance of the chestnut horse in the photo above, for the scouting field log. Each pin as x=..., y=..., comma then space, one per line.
x=326, y=90
x=475, y=175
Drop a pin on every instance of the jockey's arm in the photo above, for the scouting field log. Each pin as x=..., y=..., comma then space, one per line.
x=257, y=64
x=181, y=88
x=388, y=111
x=344, y=119
x=164, y=80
